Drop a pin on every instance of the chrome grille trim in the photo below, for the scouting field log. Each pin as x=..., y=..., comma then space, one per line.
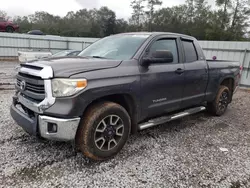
x=46, y=73
x=32, y=87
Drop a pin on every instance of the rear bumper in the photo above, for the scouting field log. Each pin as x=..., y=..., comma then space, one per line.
x=47, y=127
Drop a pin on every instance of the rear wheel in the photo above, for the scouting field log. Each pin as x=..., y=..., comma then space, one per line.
x=219, y=105
x=10, y=29
x=103, y=131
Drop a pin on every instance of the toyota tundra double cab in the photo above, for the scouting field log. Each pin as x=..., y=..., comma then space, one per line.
x=119, y=85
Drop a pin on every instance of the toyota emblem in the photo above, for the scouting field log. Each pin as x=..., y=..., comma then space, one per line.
x=23, y=85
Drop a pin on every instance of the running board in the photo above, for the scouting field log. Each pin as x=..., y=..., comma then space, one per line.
x=164, y=119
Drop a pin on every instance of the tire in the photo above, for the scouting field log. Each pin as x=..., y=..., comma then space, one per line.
x=219, y=106
x=94, y=139
x=9, y=29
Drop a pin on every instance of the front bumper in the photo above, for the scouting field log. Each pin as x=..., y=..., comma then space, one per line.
x=47, y=127
x=65, y=131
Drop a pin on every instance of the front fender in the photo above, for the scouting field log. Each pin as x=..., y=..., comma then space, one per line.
x=124, y=79
x=76, y=105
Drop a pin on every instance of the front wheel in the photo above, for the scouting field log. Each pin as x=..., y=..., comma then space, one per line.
x=219, y=106
x=103, y=131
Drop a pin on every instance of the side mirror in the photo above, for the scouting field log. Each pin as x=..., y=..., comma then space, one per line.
x=159, y=56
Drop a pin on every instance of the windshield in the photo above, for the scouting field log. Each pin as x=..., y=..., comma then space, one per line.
x=118, y=47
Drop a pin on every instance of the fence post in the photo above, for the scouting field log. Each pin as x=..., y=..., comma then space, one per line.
x=243, y=63
x=244, y=58
x=49, y=45
x=29, y=43
x=67, y=44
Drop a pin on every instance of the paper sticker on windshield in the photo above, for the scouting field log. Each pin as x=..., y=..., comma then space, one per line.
x=140, y=36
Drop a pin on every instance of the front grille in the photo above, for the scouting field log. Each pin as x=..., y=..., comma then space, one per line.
x=34, y=86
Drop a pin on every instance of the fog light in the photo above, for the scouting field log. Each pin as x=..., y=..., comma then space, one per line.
x=52, y=128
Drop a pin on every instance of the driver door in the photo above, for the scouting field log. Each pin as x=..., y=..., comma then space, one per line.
x=162, y=83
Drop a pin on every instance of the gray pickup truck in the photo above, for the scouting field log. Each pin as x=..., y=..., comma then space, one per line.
x=120, y=84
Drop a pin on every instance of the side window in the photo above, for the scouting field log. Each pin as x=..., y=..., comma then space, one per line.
x=166, y=44
x=190, y=51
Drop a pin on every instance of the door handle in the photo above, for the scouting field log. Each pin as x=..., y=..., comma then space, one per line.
x=179, y=71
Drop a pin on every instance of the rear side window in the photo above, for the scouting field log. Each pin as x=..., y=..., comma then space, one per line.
x=190, y=51
x=166, y=44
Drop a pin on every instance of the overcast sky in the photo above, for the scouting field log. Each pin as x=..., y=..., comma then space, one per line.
x=61, y=7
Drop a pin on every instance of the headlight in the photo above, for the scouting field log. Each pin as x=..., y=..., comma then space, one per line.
x=67, y=87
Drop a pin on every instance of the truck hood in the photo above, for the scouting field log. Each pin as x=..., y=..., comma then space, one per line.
x=68, y=66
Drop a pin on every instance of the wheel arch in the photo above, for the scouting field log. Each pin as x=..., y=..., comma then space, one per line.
x=9, y=26
x=228, y=82
x=127, y=101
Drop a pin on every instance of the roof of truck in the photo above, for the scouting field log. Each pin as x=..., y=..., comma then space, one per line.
x=157, y=33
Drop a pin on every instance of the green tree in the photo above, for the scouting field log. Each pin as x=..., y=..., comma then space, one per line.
x=121, y=26
x=228, y=21
x=240, y=19
x=190, y=10
x=107, y=20
x=224, y=13
x=151, y=10
x=3, y=14
x=24, y=22
x=201, y=20
x=170, y=19
x=137, y=18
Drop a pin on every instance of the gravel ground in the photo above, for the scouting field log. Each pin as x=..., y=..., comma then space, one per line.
x=7, y=74
x=196, y=151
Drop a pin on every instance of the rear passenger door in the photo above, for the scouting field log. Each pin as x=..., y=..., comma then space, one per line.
x=195, y=75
